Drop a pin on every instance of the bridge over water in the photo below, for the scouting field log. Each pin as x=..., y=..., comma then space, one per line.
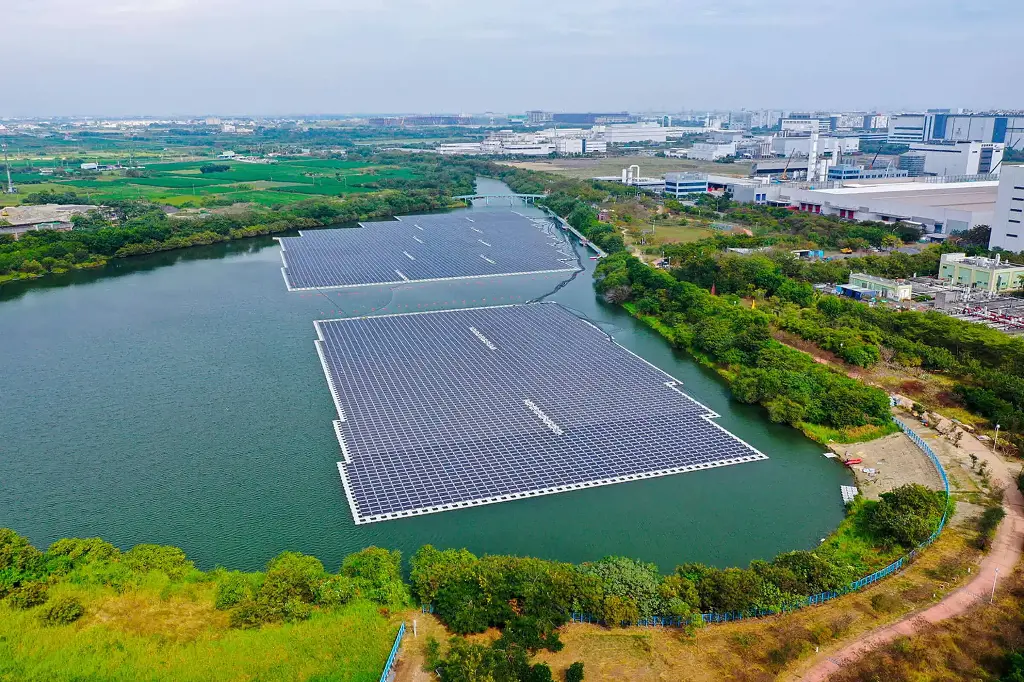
x=512, y=199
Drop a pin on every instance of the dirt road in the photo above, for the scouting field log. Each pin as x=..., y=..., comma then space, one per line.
x=996, y=565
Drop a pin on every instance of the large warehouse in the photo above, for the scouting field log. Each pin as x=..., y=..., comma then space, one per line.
x=940, y=207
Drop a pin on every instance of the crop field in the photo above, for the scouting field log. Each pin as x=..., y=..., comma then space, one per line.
x=184, y=183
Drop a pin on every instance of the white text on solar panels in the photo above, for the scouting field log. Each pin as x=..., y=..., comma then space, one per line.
x=483, y=339
x=543, y=417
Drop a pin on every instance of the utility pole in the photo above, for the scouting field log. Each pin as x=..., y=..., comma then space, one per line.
x=995, y=577
x=7, y=166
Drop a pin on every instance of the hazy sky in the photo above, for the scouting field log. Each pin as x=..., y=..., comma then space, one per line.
x=112, y=57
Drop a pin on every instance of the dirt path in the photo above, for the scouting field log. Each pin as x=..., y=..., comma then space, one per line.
x=997, y=564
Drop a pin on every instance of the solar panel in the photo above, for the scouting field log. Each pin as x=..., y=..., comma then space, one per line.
x=425, y=248
x=450, y=409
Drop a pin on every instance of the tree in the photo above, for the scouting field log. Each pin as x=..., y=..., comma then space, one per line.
x=628, y=579
x=574, y=673
x=906, y=515
x=891, y=241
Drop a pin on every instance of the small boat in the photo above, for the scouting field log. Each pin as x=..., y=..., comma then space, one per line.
x=593, y=258
x=851, y=462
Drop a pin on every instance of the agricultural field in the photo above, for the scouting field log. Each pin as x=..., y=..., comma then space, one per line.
x=184, y=184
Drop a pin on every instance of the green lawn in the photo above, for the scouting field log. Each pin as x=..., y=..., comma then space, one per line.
x=266, y=184
x=174, y=633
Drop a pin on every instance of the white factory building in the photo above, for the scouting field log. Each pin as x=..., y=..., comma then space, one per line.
x=710, y=151
x=801, y=146
x=1008, y=219
x=940, y=208
x=959, y=158
x=938, y=127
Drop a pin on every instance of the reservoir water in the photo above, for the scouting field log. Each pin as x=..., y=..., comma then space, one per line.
x=177, y=399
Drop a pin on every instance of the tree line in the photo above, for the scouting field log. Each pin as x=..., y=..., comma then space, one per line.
x=790, y=384
x=526, y=599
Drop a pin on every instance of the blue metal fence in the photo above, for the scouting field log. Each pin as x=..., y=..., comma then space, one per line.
x=384, y=676
x=821, y=597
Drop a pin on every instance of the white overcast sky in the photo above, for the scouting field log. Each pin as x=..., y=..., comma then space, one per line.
x=124, y=57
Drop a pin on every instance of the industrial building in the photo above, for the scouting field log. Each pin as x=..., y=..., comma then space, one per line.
x=1007, y=225
x=710, y=151
x=958, y=158
x=940, y=126
x=891, y=289
x=23, y=219
x=681, y=184
x=592, y=118
x=940, y=208
x=845, y=171
x=801, y=146
x=977, y=273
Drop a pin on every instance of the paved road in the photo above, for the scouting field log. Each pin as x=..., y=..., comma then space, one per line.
x=998, y=563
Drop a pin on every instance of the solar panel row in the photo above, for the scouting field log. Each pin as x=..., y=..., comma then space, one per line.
x=450, y=409
x=425, y=248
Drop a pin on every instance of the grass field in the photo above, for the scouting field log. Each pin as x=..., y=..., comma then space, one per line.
x=172, y=632
x=181, y=183
x=649, y=166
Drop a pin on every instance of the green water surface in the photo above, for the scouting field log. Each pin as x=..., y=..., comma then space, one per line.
x=177, y=398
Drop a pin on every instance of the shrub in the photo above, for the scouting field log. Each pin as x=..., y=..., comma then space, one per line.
x=377, y=574
x=69, y=553
x=620, y=611
x=574, y=673
x=885, y=603
x=28, y=595
x=236, y=587
x=295, y=610
x=987, y=525
x=19, y=560
x=169, y=560
x=252, y=613
x=629, y=579
x=62, y=611
x=291, y=575
x=335, y=590
x=906, y=515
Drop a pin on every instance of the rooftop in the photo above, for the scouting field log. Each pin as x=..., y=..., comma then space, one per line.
x=978, y=261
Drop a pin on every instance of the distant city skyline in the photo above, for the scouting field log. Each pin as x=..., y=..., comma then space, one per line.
x=224, y=57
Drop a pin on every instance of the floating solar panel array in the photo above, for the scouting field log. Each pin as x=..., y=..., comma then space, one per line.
x=425, y=248
x=451, y=409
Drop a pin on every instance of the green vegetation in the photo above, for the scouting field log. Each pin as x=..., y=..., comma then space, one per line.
x=133, y=228
x=84, y=609
x=63, y=611
x=988, y=364
x=737, y=340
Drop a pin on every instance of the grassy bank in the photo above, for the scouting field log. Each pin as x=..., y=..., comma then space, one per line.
x=175, y=633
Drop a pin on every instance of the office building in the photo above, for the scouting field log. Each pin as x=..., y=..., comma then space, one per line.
x=912, y=163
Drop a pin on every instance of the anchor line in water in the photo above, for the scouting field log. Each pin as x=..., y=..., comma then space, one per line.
x=563, y=283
